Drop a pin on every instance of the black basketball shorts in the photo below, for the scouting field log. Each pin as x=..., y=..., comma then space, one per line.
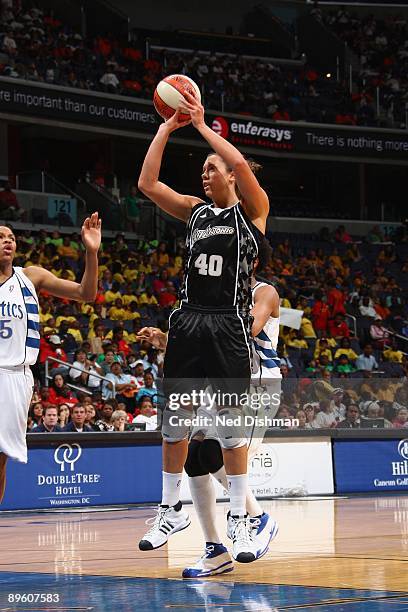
x=207, y=348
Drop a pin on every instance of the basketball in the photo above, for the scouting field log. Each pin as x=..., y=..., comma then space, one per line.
x=169, y=93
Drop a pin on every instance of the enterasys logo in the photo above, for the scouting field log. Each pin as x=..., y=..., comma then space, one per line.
x=250, y=133
x=220, y=126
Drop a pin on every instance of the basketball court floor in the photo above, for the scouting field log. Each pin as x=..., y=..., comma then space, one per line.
x=330, y=554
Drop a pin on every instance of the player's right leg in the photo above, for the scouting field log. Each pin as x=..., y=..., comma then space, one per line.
x=180, y=369
x=170, y=516
x=3, y=463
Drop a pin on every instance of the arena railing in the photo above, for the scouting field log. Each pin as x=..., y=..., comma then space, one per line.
x=70, y=366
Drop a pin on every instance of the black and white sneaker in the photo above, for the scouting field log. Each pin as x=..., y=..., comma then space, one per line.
x=165, y=523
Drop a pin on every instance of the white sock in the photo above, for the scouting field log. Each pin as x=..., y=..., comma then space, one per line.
x=204, y=499
x=237, y=488
x=252, y=505
x=171, y=489
x=221, y=476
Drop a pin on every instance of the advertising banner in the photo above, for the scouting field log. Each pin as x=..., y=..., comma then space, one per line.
x=75, y=475
x=371, y=465
x=134, y=116
x=286, y=468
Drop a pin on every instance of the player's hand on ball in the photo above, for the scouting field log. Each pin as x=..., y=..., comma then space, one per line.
x=174, y=123
x=91, y=233
x=195, y=108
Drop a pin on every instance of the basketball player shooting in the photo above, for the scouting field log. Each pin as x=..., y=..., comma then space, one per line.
x=209, y=334
x=204, y=451
x=20, y=331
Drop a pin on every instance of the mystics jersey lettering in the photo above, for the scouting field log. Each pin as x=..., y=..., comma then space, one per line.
x=19, y=321
x=221, y=248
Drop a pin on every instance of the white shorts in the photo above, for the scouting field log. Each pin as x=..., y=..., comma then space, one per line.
x=16, y=391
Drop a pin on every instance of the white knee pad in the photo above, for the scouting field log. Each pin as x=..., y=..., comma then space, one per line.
x=230, y=426
x=176, y=424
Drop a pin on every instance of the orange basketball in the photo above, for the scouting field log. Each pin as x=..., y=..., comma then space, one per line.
x=169, y=94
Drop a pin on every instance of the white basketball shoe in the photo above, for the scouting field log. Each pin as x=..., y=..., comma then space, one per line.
x=165, y=523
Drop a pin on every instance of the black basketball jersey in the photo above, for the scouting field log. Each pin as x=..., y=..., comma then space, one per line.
x=222, y=244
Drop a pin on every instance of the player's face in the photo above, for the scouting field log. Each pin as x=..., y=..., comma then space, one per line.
x=217, y=179
x=7, y=244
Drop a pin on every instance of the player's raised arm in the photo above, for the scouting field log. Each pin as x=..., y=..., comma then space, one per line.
x=254, y=199
x=172, y=202
x=85, y=290
x=266, y=305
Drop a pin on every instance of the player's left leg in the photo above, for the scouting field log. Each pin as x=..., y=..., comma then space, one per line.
x=229, y=372
x=3, y=463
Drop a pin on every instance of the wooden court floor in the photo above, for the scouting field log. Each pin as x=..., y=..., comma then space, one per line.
x=345, y=547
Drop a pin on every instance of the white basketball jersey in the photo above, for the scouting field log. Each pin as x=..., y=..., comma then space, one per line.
x=265, y=360
x=19, y=321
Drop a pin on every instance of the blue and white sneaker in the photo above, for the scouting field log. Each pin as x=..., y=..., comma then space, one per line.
x=264, y=529
x=215, y=560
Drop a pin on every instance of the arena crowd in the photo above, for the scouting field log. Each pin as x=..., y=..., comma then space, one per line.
x=346, y=366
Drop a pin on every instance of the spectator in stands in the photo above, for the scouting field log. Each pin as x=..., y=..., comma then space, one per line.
x=147, y=414
x=375, y=234
x=392, y=353
x=60, y=393
x=63, y=415
x=49, y=421
x=344, y=367
x=123, y=382
x=366, y=360
x=87, y=367
x=401, y=398
x=91, y=417
x=36, y=413
x=9, y=207
x=53, y=348
x=310, y=411
x=367, y=309
x=326, y=417
x=104, y=423
x=68, y=342
x=339, y=409
x=68, y=250
x=379, y=334
x=352, y=419
x=335, y=299
x=77, y=423
x=345, y=349
x=341, y=235
x=110, y=81
x=119, y=421
x=401, y=418
x=320, y=314
x=302, y=421
x=322, y=350
x=106, y=360
x=338, y=328
x=133, y=205
x=149, y=389
x=117, y=338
